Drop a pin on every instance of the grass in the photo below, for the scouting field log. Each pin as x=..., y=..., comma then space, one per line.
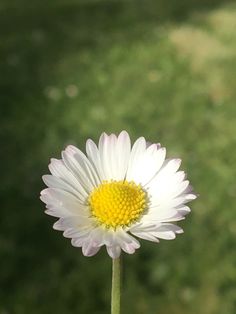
x=73, y=70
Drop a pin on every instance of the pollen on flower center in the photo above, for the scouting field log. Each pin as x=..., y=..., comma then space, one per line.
x=117, y=203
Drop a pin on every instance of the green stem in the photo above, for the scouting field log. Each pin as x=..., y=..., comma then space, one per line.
x=115, y=290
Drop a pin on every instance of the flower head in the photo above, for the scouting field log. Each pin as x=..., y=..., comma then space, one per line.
x=116, y=194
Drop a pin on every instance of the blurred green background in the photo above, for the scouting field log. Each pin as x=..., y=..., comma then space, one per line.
x=73, y=69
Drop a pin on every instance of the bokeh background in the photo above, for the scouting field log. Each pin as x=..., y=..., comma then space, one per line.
x=71, y=69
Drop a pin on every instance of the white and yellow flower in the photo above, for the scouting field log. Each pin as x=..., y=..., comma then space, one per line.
x=115, y=192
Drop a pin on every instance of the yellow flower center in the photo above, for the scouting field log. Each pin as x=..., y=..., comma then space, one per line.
x=117, y=203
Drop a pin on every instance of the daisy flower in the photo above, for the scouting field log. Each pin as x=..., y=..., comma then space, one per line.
x=116, y=193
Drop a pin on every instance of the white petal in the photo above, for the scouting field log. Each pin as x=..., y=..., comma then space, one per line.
x=63, y=201
x=167, y=192
x=74, y=222
x=146, y=165
x=118, y=240
x=182, y=199
x=59, y=170
x=138, y=150
x=109, y=237
x=78, y=231
x=56, y=212
x=79, y=169
x=143, y=225
x=85, y=164
x=53, y=206
x=127, y=247
x=114, y=155
x=114, y=251
x=88, y=249
x=78, y=242
x=127, y=243
x=161, y=214
x=97, y=236
x=123, y=153
x=106, y=149
x=145, y=235
x=165, y=235
x=167, y=231
x=94, y=157
x=169, y=167
x=162, y=231
x=123, y=236
x=54, y=182
x=166, y=175
x=183, y=209
x=167, y=227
